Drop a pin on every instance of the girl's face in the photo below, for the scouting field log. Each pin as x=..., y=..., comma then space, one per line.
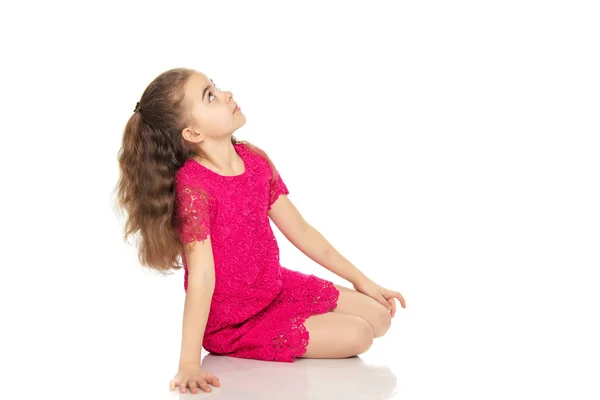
x=211, y=110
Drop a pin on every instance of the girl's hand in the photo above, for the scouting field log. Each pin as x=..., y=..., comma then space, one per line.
x=379, y=293
x=190, y=374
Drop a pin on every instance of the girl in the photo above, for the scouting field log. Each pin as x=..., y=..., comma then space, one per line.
x=197, y=194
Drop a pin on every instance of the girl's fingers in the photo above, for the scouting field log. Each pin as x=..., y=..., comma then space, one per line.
x=401, y=299
x=194, y=385
x=384, y=301
x=397, y=295
x=205, y=386
x=393, y=303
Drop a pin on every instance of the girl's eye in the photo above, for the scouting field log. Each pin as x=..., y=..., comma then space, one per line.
x=209, y=95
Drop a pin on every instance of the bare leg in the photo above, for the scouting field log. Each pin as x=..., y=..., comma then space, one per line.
x=337, y=335
x=361, y=305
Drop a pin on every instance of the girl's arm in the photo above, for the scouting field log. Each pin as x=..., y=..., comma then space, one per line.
x=201, y=284
x=310, y=241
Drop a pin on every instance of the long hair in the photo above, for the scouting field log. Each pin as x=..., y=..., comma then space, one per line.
x=152, y=151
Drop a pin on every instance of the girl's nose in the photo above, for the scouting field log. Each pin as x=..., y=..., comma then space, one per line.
x=226, y=94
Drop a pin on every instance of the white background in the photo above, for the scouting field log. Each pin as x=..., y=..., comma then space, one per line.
x=448, y=149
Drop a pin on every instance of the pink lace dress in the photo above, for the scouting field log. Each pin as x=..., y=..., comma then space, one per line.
x=258, y=307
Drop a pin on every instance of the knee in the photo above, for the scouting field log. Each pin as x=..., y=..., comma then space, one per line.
x=383, y=321
x=364, y=336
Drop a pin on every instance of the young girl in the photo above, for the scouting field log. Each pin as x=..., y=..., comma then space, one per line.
x=197, y=194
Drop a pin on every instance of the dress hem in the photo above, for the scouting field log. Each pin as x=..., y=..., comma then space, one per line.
x=329, y=306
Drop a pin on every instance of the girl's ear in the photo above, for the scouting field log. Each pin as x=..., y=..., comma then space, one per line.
x=191, y=136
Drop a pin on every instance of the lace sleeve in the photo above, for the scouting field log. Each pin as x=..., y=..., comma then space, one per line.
x=278, y=187
x=192, y=214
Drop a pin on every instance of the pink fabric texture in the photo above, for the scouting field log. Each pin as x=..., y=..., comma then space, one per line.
x=258, y=306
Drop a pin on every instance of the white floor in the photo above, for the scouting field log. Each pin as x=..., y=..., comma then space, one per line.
x=415, y=363
x=424, y=355
x=353, y=378
x=518, y=328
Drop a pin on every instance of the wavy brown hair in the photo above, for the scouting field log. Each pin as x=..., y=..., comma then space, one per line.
x=152, y=151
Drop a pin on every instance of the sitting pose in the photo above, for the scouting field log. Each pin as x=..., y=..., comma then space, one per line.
x=202, y=200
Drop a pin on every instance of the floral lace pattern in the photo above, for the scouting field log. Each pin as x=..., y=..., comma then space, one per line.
x=258, y=307
x=193, y=209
